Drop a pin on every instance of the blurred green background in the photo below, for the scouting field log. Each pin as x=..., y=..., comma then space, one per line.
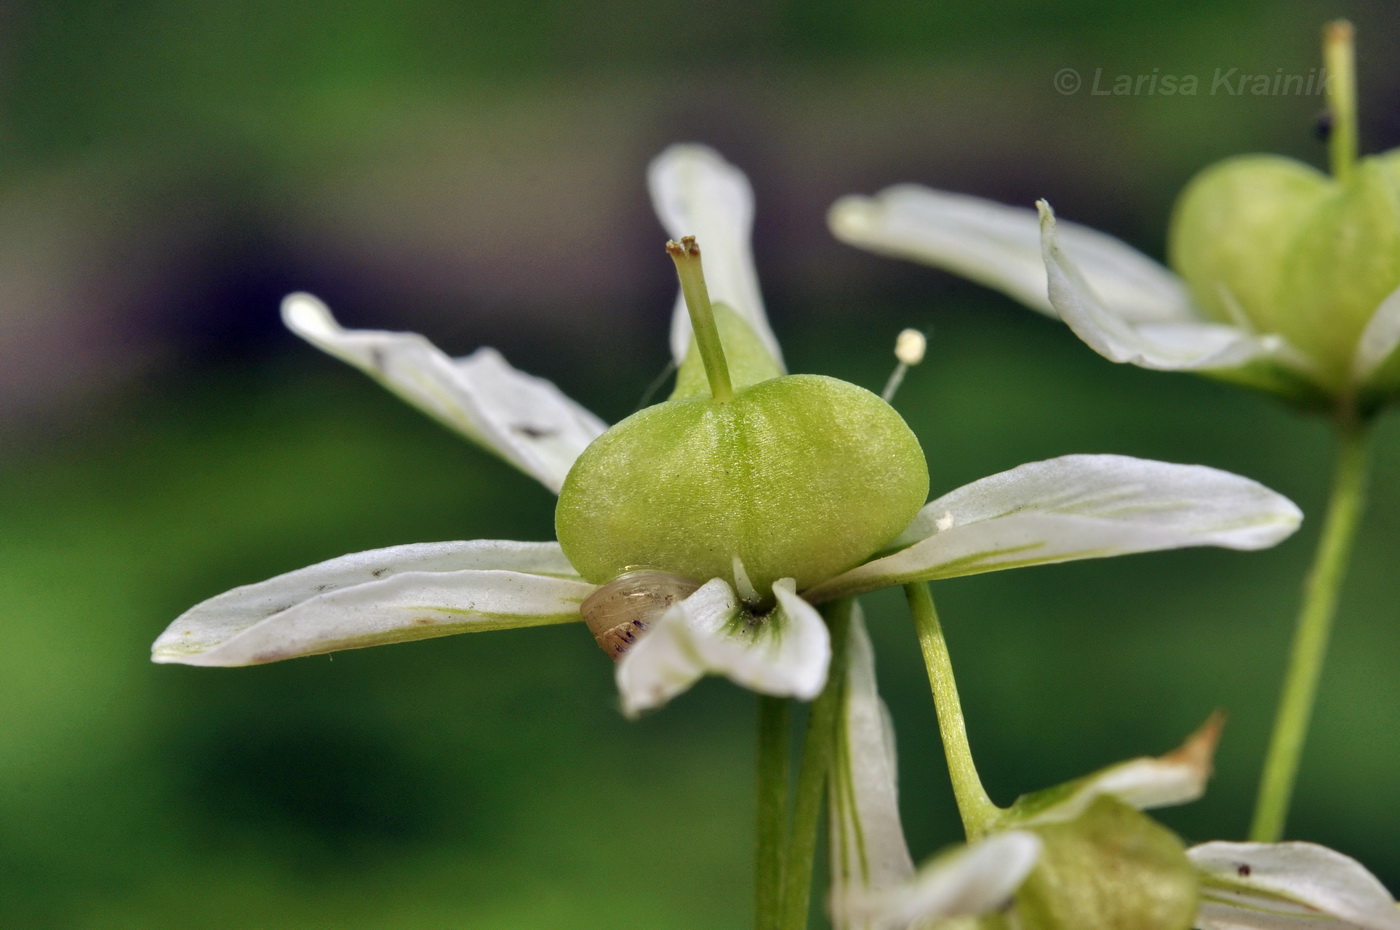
x=474, y=171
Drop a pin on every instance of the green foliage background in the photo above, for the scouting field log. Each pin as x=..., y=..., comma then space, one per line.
x=474, y=171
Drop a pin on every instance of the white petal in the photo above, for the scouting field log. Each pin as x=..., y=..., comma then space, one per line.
x=999, y=246
x=969, y=880
x=381, y=596
x=524, y=419
x=1378, y=341
x=1288, y=886
x=697, y=193
x=868, y=850
x=1171, y=345
x=1074, y=507
x=1147, y=782
x=785, y=654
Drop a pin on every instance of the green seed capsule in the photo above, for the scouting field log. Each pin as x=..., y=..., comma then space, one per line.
x=1111, y=868
x=800, y=476
x=1286, y=249
x=744, y=474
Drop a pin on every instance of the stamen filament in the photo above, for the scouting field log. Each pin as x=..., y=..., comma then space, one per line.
x=686, y=255
x=909, y=347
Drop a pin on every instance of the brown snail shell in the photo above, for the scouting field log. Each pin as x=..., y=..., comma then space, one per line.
x=621, y=610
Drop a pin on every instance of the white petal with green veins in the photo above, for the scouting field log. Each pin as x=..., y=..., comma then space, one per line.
x=1378, y=342
x=1149, y=781
x=1074, y=507
x=785, y=653
x=868, y=851
x=697, y=193
x=966, y=881
x=999, y=246
x=381, y=596
x=524, y=419
x=1288, y=886
x=1182, y=344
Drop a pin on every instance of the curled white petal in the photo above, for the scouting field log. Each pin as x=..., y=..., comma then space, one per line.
x=999, y=246
x=381, y=596
x=968, y=881
x=1074, y=507
x=1181, y=343
x=868, y=851
x=1178, y=777
x=697, y=193
x=1288, y=886
x=785, y=653
x=1378, y=341
x=524, y=419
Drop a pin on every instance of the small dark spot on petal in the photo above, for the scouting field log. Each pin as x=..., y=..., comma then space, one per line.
x=378, y=572
x=376, y=358
x=1244, y=871
x=533, y=432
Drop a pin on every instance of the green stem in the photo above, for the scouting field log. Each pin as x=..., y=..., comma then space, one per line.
x=1339, y=59
x=686, y=255
x=817, y=751
x=975, y=808
x=1310, y=639
x=774, y=734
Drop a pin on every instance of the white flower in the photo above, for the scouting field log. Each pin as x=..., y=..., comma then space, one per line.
x=1126, y=306
x=984, y=875
x=1242, y=886
x=1067, y=508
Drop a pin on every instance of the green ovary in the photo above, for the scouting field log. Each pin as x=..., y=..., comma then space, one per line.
x=1292, y=251
x=800, y=476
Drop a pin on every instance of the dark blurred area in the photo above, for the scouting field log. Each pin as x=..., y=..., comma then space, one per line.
x=168, y=171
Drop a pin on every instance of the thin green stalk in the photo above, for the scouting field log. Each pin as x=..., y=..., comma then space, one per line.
x=1310, y=640
x=817, y=751
x=774, y=735
x=686, y=255
x=1339, y=58
x=974, y=806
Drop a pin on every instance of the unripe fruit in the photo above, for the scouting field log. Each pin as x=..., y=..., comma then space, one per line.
x=1111, y=868
x=1292, y=251
x=799, y=476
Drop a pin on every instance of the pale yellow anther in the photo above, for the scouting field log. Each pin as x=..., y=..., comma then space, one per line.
x=909, y=347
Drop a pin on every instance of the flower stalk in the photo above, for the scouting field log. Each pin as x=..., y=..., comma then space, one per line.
x=974, y=806
x=817, y=752
x=686, y=255
x=1344, y=511
x=774, y=731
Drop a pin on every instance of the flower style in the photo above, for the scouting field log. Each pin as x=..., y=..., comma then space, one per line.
x=1039, y=864
x=1067, y=508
